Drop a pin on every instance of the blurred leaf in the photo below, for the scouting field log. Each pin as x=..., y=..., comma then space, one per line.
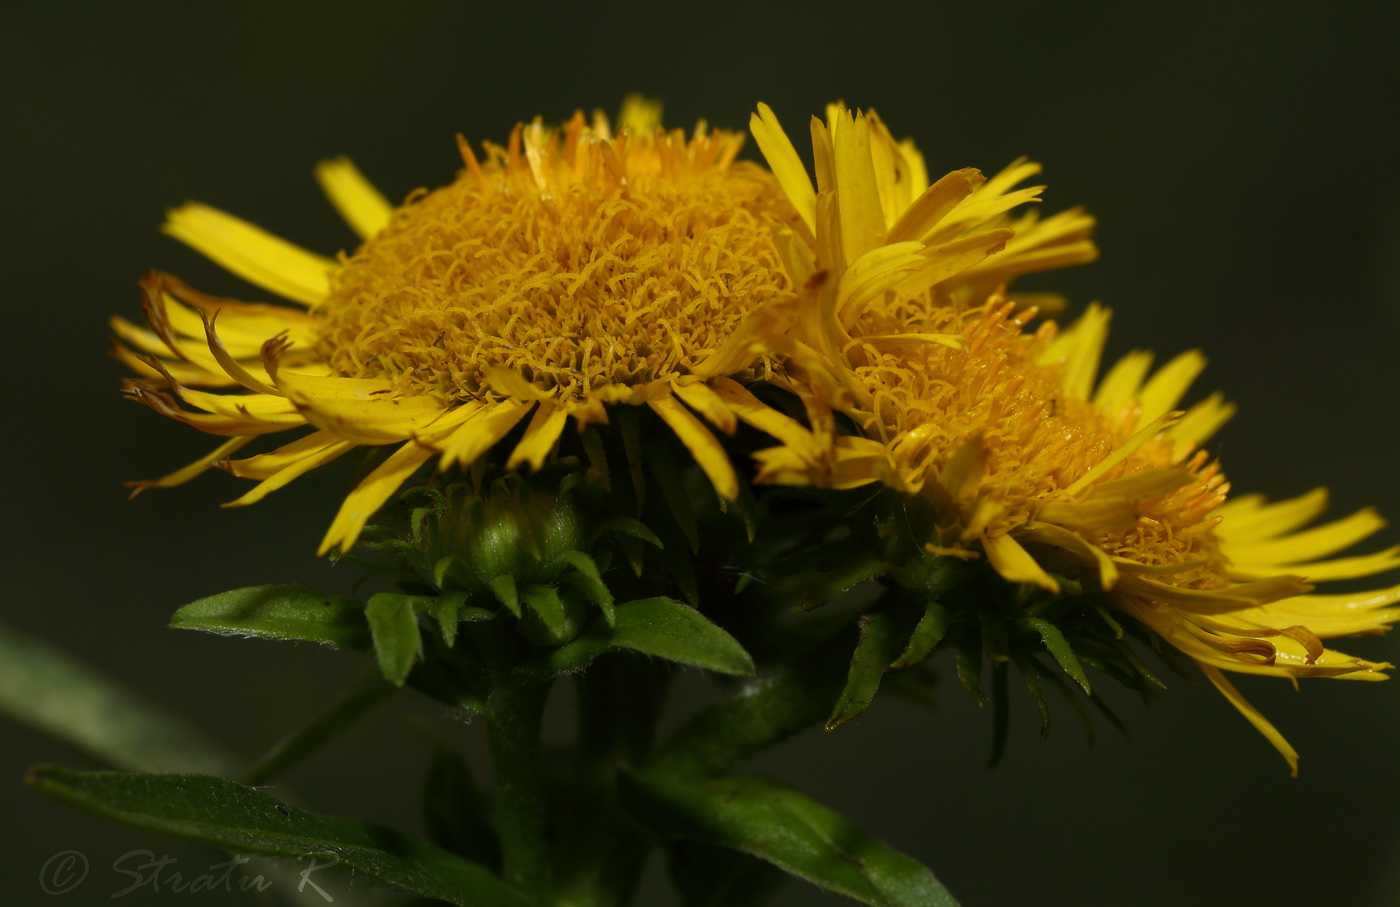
x=789, y=830
x=879, y=641
x=368, y=689
x=238, y=818
x=51, y=691
x=453, y=809
x=393, y=623
x=969, y=667
x=708, y=876
x=553, y=616
x=503, y=587
x=279, y=612
x=669, y=629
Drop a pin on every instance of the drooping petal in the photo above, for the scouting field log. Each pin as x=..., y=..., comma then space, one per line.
x=371, y=494
x=702, y=444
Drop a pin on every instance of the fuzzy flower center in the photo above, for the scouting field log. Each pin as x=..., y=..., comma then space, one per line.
x=580, y=262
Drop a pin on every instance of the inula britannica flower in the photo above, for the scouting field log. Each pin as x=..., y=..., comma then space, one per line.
x=577, y=270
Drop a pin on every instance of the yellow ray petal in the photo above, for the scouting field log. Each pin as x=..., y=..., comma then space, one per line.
x=1308, y=544
x=934, y=204
x=953, y=257
x=363, y=207
x=857, y=194
x=1076, y=544
x=363, y=410
x=1201, y=422
x=267, y=464
x=1319, y=571
x=1092, y=515
x=1249, y=518
x=540, y=436
x=708, y=452
x=1123, y=451
x=785, y=163
x=1143, y=486
x=1215, y=601
x=185, y=473
x=738, y=400
x=482, y=430
x=1015, y=564
x=1170, y=383
x=231, y=366
x=707, y=403
x=294, y=467
x=252, y=253
x=213, y=423
x=371, y=494
x=1254, y=717
x=1121, y=383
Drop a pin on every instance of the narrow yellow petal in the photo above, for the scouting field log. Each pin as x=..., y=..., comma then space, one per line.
x=708, y=452
x=267, y=464
x=252, y=253
x=295, y=467
x=1143, y=486
x=474, y=437
x=371, y=494
x=1123, y=451
x=1015, y=564
x=359, y=203
x=1201, y=422
x=1320, y=571
x=1166, y=388
x=363, y=410
x=1253, y=716
x=1120, y=385
x=231, y=366
x=1076, y=544
x=1249, y=518
x=707, y=403
x=947, y=259
x=540, y=436
x=935, y=204
x=785, y=163
x=1309, y=544
x=185, y=473
x=763, y=417
x=857, y=194
x=1215, y=601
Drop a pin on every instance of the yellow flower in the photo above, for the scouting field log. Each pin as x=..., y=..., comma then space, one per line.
x=1031, y=465
x=569, y=271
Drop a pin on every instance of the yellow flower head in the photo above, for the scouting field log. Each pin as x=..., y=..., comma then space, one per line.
x=570, y=270
x=1026, y=460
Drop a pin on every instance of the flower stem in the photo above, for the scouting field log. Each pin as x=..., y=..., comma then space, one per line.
x=514, y=711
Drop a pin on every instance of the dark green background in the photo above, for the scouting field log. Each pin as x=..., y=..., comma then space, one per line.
x=1242, y=162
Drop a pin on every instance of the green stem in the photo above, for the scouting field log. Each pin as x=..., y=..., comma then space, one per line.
x=762, y=713
x=514, y=709
x=368, y=689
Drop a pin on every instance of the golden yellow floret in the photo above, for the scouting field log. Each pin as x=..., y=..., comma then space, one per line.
x=1032, y=462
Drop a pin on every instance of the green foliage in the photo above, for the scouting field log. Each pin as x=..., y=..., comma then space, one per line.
x=793, y=832
x=279, y=612
x=228, y=815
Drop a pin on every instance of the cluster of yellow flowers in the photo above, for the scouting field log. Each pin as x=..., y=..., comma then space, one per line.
x=579, y=269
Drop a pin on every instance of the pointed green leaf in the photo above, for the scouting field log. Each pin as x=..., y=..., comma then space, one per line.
x=393, y=623
x=791, y=831
x=1059, y=649
x=279, y=612
x=588, y=581
x=879, y=641
x=503, y=587
x=53, y=692
x=668, y=629
x=445, y=609
x=969, y=666
x=559, y=625
x=627, y=526
x=238, y=818
x=926, y=636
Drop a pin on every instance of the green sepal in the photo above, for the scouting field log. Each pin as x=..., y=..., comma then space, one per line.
x=393, y=623
x=1059, y=649
x=928, y=633
x=969, y=668
x=279, y=612
x=503, y=587
x=551, y=620
x=446, y=610
x=244, y=820
x=627, y=526
x=849, y=572
x=879, y=641
x=786, y=828
x=588, y=581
